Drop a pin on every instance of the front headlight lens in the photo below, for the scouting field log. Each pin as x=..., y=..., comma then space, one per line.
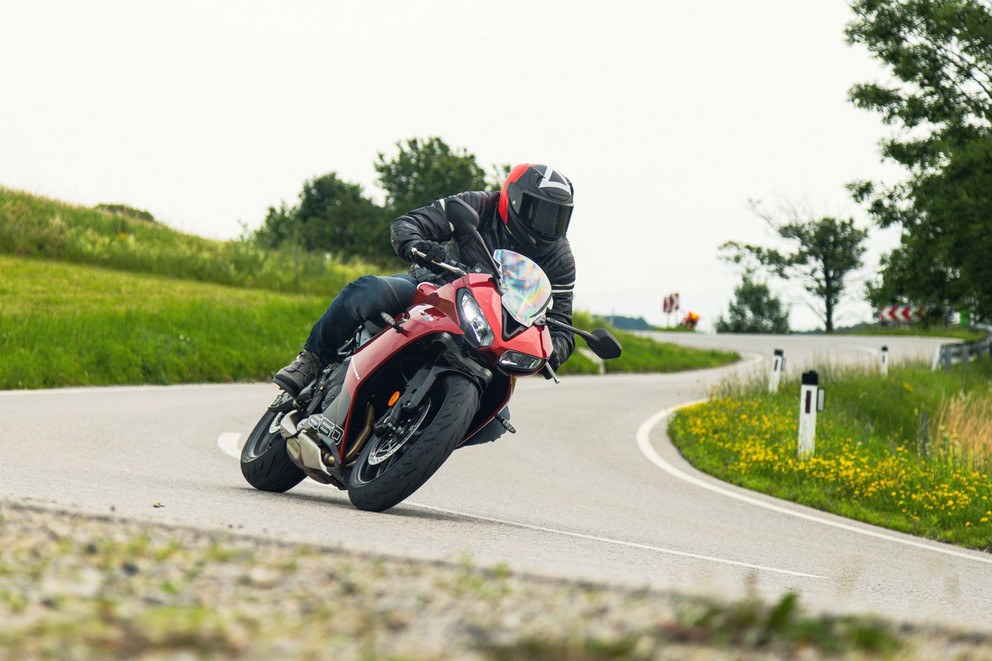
x=473, y=322
x=520, y=362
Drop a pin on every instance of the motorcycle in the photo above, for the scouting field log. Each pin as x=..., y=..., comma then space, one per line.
x=412, y=389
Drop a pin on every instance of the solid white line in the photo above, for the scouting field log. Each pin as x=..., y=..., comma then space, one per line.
x=644, y=443
x=863, y=348
x=748, y=358
x=230, y=444
x=606, y=540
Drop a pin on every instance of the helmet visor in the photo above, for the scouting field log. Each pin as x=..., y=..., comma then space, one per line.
x=544, y=217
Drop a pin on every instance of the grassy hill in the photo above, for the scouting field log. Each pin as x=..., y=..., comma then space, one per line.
x=32, y=226
x=68, y=324
x=96, y=297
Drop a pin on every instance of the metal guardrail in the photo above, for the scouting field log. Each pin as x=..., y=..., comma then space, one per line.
x=960, y=352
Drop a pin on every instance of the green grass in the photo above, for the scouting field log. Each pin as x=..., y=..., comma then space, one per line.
x=32, y=226
x=98, y=297
x=68, y=324
x=641, y=354
x=63, y=324
x=902, y=452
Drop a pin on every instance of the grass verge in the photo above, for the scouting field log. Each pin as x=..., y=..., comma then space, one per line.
x=69, y=324
x=65, y=324
x=62, y=325
x=901, y=452
x=642, y=355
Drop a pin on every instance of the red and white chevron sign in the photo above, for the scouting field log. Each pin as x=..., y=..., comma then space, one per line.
x=900, y=313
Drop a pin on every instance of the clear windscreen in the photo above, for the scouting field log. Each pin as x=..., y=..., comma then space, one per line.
x=526, y=288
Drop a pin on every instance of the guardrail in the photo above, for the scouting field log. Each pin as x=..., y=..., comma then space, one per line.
x=960, y=352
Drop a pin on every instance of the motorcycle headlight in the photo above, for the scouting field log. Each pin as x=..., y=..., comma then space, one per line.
x=473, y=322
x=514, y=361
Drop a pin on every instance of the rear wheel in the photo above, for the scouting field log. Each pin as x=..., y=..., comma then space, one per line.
x=264, y=461
x=392, y=466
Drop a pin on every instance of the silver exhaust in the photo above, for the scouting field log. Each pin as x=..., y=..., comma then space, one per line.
x=303, y=450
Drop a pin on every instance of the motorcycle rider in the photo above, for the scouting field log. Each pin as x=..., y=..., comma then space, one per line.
x=529, y=215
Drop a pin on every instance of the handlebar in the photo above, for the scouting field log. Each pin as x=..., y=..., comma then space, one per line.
x=447, y=267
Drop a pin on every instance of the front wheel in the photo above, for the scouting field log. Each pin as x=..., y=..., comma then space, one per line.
x=264, y=460
x=392, y=466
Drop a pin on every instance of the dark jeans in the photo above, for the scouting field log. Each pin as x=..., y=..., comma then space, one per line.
x=360, y=301
x=364, y=300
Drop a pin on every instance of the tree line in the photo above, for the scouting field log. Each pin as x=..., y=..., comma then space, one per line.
x=338, y=217
x=939, y=100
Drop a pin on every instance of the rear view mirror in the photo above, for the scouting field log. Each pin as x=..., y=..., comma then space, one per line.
x=603, y=344
x=462, y=217
x=465, y=222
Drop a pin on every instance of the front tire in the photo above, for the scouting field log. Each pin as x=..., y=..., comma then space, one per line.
x=264, y=460
x=391, y=467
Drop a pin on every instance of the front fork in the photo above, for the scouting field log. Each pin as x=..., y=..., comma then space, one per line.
x=448, y=359
x=322, y=462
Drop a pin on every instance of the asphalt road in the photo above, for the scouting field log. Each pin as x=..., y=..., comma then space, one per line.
x=589, y=488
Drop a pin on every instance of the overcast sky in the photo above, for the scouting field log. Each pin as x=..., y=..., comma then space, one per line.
x=668, y=116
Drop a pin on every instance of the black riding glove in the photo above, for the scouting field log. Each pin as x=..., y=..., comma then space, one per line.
x=434, y=254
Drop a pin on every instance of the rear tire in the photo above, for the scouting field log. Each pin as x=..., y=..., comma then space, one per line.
x=264, y=460
x=452, y=403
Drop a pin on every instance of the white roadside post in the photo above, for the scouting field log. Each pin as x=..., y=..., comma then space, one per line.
x=810, y=401
x=778, y=364
x=885, y=360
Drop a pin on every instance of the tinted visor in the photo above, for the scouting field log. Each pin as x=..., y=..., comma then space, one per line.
x=544, y=217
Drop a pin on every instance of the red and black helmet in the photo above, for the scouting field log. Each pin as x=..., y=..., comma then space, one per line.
x=535, y=205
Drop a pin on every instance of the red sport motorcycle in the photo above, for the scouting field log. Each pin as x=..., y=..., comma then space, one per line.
x=412, y=389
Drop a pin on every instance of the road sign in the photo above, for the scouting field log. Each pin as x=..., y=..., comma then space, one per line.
x=900, y=313
x=670, y=303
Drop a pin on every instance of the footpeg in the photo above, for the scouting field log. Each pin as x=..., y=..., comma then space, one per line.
x=506, y=424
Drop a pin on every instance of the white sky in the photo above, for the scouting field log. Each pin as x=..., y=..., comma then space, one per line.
x=668, y=116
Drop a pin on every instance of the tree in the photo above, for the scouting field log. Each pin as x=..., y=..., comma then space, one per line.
x=826, y=251
x=755, y=310
x=333, y=216
x=278, y=229
x=940, y=53
x=424, y=171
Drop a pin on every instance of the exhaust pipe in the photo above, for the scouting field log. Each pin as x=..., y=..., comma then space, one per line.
x=303, y=450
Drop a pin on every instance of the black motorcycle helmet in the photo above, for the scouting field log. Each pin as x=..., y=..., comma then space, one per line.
x=535, y=206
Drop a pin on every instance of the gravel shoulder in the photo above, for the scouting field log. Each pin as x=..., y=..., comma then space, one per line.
x=76, y=586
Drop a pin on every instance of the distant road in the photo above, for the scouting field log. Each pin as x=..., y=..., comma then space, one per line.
x=806, y=350
x=589, y=488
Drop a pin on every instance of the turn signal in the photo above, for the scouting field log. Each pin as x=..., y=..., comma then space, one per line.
x=392, y=400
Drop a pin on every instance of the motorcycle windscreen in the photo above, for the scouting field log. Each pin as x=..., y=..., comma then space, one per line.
x=526, y=288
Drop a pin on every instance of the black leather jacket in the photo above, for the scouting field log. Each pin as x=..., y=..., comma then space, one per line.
x=430, y=224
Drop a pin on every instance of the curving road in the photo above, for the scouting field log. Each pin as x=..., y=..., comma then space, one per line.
x=589, y=488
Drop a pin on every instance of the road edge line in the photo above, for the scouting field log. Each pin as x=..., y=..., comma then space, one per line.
x=644, y=444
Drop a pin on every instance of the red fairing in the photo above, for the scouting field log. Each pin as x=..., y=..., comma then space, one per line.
x=433, y=311
x=534, y=341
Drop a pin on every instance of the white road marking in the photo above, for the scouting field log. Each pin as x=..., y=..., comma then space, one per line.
x=863, y=348
x=606, y=540
x=748, y=359
x=230, y=444
x=644, y=443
